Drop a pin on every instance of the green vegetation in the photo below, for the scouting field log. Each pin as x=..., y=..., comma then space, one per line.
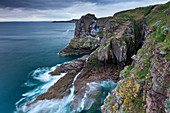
x=125, y=16
x=100, y=34
x=94, y=62
x=127, y=72
x=164, y=46
x=137, y=14
x=138, y=105
x=105, y=44
x=105, y=18
x=168, y=57
x=136, y=30
x=120, y=22
x=73, y=71
x=152, y=56
x=159, y=13
x=140, y=50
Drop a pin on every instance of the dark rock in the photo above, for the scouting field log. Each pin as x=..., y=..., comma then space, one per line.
x=61, y=87
x=85, y=38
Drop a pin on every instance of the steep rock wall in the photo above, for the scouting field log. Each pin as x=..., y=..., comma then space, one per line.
x=144, y=85
x=85, y=38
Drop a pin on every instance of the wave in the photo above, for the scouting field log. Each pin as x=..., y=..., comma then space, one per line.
x=45, y=80
x=95, y=95
x=90, y=96
x=66, y=32
x=63, y=105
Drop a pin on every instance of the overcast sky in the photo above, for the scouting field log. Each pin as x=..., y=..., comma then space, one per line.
x=49, y=10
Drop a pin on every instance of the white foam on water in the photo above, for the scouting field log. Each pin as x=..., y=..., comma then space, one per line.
x=66, y=32
x=87, y=101
x=57, y=105
x=63, y=105
x=42, y=75
x=50, y=106
x=30, y=84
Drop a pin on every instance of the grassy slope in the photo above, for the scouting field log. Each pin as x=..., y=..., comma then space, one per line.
x=130, y=90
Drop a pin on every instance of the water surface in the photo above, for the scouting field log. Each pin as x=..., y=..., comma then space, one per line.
x=24, y=47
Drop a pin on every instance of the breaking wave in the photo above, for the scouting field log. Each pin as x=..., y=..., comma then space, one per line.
x=42, y=81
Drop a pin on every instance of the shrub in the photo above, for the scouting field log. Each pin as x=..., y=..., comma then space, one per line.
x=100, y=34
x=160, y=37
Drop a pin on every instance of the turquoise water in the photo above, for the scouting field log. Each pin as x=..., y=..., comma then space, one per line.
x=28, y=52
x=24, y=47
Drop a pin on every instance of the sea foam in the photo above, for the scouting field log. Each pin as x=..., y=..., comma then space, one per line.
x=45, y=82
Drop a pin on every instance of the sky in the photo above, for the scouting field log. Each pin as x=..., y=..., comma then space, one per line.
x=50, y=10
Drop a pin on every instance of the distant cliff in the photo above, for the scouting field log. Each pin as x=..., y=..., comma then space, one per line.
x=68, y=21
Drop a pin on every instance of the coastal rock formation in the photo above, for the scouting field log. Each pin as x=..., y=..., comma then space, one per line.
x=85, y=38
x=120, y=44
x=144, y=85
x=136, y=41
x=86, y=26
x=61, y=88
x=80, y=45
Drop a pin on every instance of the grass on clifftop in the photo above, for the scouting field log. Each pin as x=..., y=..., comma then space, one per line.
x=130, y=89
x=136, y=14
x=160, y=12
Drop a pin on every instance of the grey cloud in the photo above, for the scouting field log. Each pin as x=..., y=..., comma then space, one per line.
x=50, y=4
x=35, y=4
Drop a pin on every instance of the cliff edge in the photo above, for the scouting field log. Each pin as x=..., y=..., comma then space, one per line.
x=136, y=41
x=144, y=86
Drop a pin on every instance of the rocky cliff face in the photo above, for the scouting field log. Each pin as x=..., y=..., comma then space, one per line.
x=103, y=64
x=116, y=42
x=144, y=85
x=86, y=26
x=85, y=38
x=121, y=41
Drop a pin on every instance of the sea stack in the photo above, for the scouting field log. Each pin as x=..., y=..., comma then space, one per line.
x=85, y=38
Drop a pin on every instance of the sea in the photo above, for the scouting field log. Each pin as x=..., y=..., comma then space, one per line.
x=28, y=52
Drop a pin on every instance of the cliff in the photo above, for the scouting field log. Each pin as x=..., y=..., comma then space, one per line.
x=85, y=38
x=67, y=21
x=136, y=41
x=144, y=85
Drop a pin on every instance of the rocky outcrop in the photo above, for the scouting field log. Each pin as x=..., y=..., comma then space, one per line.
x=85, y=38
x=144, y=85
x=101, y=65
x=86, y=26
x=80, y=46
x=61, y=88
x=119, y=42
x=88, y=74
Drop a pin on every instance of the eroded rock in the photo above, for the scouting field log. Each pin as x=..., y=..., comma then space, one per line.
x=85, y=38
